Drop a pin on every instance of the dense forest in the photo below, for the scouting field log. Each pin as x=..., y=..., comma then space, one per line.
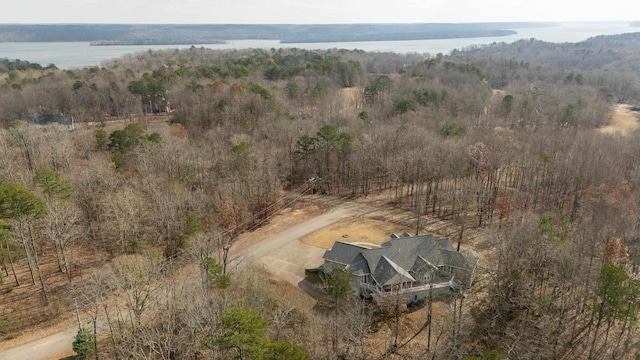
x=504, y=140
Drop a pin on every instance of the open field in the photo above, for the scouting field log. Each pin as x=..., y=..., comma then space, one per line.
x=623, y=121
x=362, y=231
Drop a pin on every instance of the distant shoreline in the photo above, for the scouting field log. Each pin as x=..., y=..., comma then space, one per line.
x=122, y=34
x=154, y=42
x=323, y=39
x=441, y=35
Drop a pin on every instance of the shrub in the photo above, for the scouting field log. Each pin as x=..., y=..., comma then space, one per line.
x=84, y=344
x=451, y=129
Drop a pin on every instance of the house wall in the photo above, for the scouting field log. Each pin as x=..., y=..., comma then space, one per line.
x=423, y=276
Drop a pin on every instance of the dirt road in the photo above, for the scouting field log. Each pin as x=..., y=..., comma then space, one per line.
x=56, y=346
x=281, y=254
x=277, y=245
x=285, y=257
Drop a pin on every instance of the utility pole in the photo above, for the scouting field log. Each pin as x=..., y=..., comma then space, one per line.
x=95, y=337
x=419, y=206
x=75, y=303
x=226, y=245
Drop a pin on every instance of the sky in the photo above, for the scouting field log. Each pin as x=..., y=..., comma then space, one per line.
x=314, y=11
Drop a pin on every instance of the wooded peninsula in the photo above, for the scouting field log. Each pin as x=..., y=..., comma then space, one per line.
x=127, y=192
x=163, y=34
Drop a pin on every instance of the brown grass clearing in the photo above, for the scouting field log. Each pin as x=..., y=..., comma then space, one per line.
x=362, y=231
x=349, y=94
x=497, y=93
x=349, y=99
x=622, y=122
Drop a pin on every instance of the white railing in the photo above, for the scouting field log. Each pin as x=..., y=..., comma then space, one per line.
x=422, y=288
x=454, y=285
x=369, y=287
x=407, y=290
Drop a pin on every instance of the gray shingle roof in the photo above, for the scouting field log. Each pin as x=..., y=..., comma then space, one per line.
x=422, y=264
x=343, y=253
x=390, y=264
x=359, y=265
x=453, y=258
x=389, y=273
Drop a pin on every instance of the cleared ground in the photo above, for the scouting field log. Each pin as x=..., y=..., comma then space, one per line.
x=622, y=122
x=362, y=231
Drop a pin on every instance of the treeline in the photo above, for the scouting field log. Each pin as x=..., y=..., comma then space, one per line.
x=436, y=34
x=210, y=33
x=510, y=147
x=7, y=65
x=597, y=52
x=607, y=63
x=156, y=42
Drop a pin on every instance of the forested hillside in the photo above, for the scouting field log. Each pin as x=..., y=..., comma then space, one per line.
x=505, y=141
x=142, y=34
x=607, y=63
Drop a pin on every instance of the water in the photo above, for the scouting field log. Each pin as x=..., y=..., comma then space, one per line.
x=68, y=55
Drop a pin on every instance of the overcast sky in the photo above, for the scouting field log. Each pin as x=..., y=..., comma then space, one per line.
x=314, y=11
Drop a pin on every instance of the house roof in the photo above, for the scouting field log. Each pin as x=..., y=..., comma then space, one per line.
x=359, y=265
x=389, y=273
x=463, y=273
x=395, y=259
x=343, y=253
x=423, y=264
x=453, y=258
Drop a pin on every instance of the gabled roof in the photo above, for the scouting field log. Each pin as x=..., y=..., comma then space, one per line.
x=359, y=265
x=389, y=273
x=464, y=269
x=392, y=262
x=422, y=264
x=453, y=258
x=425, y=246
x=343, y=253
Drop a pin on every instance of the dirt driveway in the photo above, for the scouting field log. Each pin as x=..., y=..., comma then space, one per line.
x=285, y=256
x=52, y=347
x=281, y=254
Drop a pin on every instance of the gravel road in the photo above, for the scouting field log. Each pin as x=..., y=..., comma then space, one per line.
x=280, y=245
x=55, y=346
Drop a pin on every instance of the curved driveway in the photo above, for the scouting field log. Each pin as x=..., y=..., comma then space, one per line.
x=281, y=254
x=278, y=245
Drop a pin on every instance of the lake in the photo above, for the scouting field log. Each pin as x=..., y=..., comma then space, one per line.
x=68, y=55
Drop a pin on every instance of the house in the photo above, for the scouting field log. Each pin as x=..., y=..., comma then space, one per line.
x=410, y=267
